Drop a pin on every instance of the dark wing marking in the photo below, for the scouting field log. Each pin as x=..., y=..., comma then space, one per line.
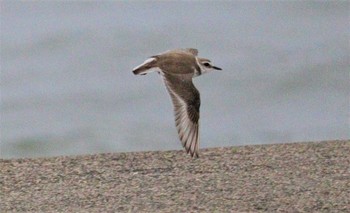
x=186, y=101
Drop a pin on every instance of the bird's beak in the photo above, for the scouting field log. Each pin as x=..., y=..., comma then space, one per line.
x=217, y=68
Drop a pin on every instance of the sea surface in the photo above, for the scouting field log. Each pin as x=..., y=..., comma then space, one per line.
x=67, y=86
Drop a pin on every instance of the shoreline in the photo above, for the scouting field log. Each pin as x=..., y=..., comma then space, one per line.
x=307, y=176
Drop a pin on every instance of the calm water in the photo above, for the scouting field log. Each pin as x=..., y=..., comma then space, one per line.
x=67, y=86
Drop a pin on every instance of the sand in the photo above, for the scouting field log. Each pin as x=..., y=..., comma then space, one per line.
x=295, y=177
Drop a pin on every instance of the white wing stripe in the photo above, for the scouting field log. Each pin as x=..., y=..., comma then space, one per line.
x=187, y=130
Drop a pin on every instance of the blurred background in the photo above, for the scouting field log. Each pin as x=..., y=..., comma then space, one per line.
x=67, y=86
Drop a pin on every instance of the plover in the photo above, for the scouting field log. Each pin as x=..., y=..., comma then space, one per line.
x=178, y=67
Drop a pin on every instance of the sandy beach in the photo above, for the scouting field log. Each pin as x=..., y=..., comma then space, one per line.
x=295, y=177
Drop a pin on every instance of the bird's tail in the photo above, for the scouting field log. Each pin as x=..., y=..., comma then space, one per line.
x=145, y=67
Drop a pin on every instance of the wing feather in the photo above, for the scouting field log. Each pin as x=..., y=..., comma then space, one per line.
x=193, y=51
x=186, y=102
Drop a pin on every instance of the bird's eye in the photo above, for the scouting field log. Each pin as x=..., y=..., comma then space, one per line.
x=206, y=64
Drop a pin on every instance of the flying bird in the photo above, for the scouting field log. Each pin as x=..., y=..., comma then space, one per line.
x=177, y=68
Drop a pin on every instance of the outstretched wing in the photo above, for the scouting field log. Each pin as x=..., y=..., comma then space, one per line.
x=186, y=101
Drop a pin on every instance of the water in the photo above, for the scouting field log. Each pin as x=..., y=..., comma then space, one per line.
x=67, y=86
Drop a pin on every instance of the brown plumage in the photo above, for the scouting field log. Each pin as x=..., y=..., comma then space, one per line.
x=177, y=68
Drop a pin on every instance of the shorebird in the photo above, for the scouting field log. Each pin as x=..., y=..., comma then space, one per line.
x=177, y=68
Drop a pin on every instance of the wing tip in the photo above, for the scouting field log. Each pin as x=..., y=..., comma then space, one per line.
x=192, y=149
x=193, y=51
x=195, y=154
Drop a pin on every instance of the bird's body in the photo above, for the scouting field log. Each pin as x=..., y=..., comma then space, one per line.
x=177, y=68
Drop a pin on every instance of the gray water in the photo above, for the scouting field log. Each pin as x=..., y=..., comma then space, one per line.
x=67, y=86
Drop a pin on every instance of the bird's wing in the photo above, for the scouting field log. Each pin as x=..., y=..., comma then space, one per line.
x=186, y=101
x=192, y=51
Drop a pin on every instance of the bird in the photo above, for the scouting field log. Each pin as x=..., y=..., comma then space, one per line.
x=177, y=68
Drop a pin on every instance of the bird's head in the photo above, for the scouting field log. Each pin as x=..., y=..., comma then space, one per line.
x=206, y=65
